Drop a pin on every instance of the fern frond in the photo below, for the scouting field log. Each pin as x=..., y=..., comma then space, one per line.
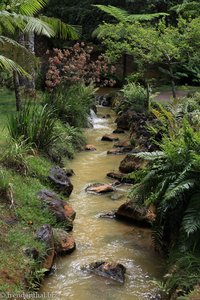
x=151, y=155
x=191, y=219
x=118, y=13
x=145, y=17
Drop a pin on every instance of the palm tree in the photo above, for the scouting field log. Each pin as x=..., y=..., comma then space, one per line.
x=17, y=20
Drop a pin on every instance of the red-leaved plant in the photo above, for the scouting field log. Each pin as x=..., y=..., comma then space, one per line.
x=75, y=65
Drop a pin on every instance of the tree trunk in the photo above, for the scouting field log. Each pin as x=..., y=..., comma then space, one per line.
x=30, y=83
x=124, y=65
x=172, y=81
x=17, y=90
x=148, y=96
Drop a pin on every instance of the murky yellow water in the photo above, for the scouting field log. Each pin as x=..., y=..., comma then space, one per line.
x=102, y=239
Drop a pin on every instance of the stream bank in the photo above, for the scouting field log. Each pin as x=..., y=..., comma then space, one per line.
x=103, y=239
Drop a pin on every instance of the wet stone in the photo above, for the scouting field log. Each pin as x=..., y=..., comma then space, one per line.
x=111, y=270
x=107, y=215
x=99, y=188
x=109, y=138
x=60, y=180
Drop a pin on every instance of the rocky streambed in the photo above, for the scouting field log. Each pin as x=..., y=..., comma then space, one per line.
x=113, y=259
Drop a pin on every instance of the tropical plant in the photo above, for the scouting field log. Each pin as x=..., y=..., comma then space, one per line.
x=18, y=19
x=73, y=104
x=172, y=185
x=135, y=97
x=34, y=125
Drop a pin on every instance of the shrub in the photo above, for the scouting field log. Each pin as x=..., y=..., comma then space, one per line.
x=75, y=65
x=70, y=139
x=15, y=156
x=35, y=125
x=172, y=185
x=72, y=105
x=135, y=97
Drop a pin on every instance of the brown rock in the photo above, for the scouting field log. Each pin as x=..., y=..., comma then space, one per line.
x=99, y=188
x=122, y=144
x=109, y=138
x=63, y=241
x=125, y=119
x=121, y=150
x=60, y=209
x=115, y=175
x=107, y=215
x=120, y=177
x=60, y=180
x=118, y=130
x=90, y=148
x=130, y=163
x=137, y=214
x=114, y=271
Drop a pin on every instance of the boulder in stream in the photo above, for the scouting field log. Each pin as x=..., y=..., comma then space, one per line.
x=99, y=188
x=130, y=163
x=142, y=216
x=118, y=130
x=60, y=209
x=109, y=138
x=89, y=147
x=120, y=177
x=111, y=270
x=107, y=215
x=60, y=180
x=120, y=150
x=125, y=119
x=64, y=243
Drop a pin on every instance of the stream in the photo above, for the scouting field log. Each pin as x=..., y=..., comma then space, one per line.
x=103, y=239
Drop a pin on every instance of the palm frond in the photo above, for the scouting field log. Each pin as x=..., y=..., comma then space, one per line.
x=62, y=30
x=9, y=65
x=31, y=7
x=38, y=27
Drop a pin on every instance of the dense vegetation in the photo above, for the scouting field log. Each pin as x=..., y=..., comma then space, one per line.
x=47, y=127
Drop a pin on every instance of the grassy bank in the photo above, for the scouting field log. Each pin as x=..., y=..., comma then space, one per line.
x=21, y=213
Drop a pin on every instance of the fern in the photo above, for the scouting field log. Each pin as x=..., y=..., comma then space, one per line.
x=191, y=219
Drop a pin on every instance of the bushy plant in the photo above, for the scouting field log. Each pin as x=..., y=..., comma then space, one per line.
x=172, y=185
x=74, y=65
x=35, y=125
x=15, y=156
x=135, y=97
x=70, y=140
x=72, y=105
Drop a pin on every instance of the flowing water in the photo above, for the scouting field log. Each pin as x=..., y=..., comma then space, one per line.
x=103, y=239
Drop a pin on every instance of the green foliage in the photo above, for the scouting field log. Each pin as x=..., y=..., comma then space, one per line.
x=184, y=273
x=15, y=156
x=70, y=139
x=170, y=184
x=135, y=97
x=72, y=104
x=34, y=125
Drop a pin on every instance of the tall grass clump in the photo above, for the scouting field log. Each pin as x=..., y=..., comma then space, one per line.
x=135, y=97
x=72, y=104
x=35, y=124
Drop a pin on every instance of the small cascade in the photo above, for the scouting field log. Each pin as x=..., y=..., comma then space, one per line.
x=96, y=122
x=102, y=100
